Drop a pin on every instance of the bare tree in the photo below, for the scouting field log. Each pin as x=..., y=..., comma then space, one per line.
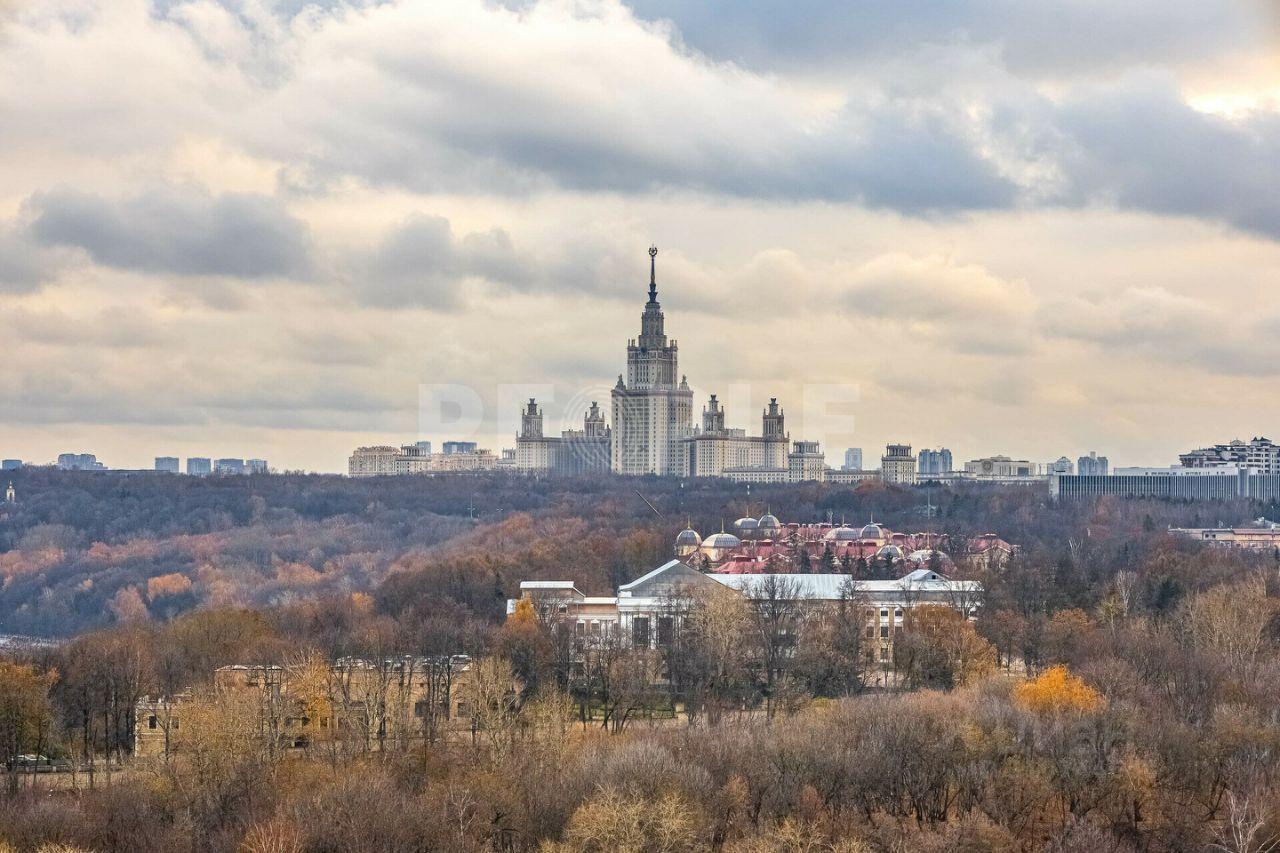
x=777, y=614
x=1245, y=828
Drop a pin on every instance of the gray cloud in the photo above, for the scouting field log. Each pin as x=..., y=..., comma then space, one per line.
x=180, y=230
x=424, y=115
x=419, y=262
x=1168, y=328
x=24, y=266
x=886, y=158
x=1031, y=37
x=944, y=130
x=1140, y=146
x=111, y=329
x=935, y=121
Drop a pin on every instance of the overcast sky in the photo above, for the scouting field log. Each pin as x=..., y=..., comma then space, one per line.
x=256, y=228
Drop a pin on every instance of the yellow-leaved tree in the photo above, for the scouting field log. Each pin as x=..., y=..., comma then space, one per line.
x=1056, y=690
x=524, y=614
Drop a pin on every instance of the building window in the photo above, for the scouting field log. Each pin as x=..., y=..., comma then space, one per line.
x=884, y=613
x=173, y=722
x=152, y=722
x=884, y=655
x=640, y=630
x=666, y=630
x=884, y=632
x=897, y=613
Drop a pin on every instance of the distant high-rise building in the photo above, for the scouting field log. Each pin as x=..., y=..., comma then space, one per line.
x=79, y=462
x=452, y=447
x=376, y=461
x=653, y=405
x=853, y=459
x=1061, y=466
x=10, y=465
x=1092, y=465
x=898, y=465
x=935, y=462
x=167, y=463
x=1259, y=456
x=228, y=466
x=806, y=463
x=424, y=447
x=1000, y=466
x=255, y=466
x=199, y=466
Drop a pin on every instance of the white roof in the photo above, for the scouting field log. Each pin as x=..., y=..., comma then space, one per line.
x=546, y=585
x=828, y=586
x=627, y=587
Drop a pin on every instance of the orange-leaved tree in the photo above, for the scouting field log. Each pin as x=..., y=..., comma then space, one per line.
x=1056, y=690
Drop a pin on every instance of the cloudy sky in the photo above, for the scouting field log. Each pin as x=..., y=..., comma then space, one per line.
x=261, y=227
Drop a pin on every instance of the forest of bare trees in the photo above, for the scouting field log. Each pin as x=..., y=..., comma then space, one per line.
x=1116, y=692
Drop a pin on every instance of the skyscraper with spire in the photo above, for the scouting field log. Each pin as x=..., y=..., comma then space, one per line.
x=652, y=410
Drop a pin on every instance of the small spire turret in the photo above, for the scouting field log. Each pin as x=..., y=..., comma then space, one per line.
x=653, y=274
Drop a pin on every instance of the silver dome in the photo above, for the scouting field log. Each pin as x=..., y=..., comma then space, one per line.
x=688, y=536
x=721, y=541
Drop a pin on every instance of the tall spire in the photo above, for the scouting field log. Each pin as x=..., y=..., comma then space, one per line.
x=653, y=274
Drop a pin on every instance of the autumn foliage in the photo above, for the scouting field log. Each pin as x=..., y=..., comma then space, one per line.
x=1056, y=691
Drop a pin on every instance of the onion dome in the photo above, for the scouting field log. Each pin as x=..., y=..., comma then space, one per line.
x=769, y=521
x=873, y=531
x=745, y=523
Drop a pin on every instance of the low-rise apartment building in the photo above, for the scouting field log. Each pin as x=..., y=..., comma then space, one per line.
x=352, y=703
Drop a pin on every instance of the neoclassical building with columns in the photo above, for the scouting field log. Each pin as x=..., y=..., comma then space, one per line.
x=646, y=612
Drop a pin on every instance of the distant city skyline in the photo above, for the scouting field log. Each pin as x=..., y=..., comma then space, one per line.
x=836, y=456
x=1003, y=245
